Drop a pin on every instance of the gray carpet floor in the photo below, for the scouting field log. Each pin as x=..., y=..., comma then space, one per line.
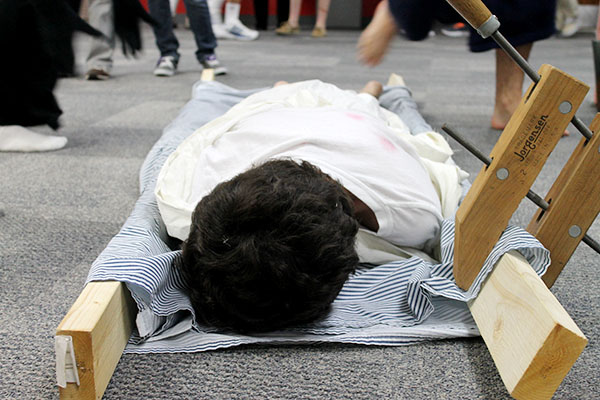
x=62, y=208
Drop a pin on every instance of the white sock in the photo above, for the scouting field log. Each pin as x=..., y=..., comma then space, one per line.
x=18, y=138
x=232, y=13
x=214, y=8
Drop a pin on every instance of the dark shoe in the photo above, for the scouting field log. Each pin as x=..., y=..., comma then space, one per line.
x=459, y=29
x=211, y=61
x=166, y=66
x=97, y=74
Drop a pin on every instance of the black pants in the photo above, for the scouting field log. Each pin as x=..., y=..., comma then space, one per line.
x=522, y=21
x=261, y=12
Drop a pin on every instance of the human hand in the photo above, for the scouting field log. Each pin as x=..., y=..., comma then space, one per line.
x=377, y=36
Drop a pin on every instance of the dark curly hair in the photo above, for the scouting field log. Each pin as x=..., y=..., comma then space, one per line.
x=269, y=248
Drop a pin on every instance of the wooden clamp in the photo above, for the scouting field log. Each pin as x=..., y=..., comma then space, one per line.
x=517, y=158
x=574, y=203
x=99, y=325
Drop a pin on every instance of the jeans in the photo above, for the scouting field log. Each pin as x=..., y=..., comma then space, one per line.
x=199, y=16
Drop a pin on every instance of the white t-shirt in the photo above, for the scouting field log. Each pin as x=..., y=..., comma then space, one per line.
x=355, y=148
x=348, y=136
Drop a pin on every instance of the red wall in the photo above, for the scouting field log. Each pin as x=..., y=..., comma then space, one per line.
x=308, y=7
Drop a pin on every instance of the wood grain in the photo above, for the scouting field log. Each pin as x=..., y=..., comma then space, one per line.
x=532, y=339
x=473, y=11
x=574, y=199
x=100, y=323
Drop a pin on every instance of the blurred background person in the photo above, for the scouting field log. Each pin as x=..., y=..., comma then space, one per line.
x=229, y=26
x=292, y=26
x=522, y=23
x=261, y=12
x=168, y=45
x=100, y=58
x=567, y=17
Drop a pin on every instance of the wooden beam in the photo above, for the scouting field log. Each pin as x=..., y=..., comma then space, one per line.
x=532, y=339
x=517, y=158
x=574, y=204
x=100, y=324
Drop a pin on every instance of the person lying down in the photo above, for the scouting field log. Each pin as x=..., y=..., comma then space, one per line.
x=278, y=200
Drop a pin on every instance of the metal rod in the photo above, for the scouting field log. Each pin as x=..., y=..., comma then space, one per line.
x=516, y=56
x=526, y=67
x=531, y=195
x=581, y=127
x=591, y=242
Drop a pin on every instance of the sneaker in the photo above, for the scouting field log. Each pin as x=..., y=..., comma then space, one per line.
x=459, y=29
x=165, y=66
x=570, y=28
x=286, y=29
x=241, y=32
x=221, y=32
x=319, y=32
x=97, y=74
x=210, y=61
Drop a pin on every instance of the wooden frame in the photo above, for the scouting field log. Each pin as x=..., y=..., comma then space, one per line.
x=99, y=325
x=530, y=336
x=573, y=204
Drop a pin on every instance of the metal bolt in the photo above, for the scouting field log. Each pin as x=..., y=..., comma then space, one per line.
x=574, y=231
x=565, y=107
x=502, y=174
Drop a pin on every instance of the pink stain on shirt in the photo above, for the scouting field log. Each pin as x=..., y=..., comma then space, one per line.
x=356, y=117
x=387, y=144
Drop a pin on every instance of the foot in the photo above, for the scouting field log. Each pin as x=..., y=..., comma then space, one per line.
x=373, y=88
x=458, y=29
x=377, y=36
x=500, y=118
x=166, y=66
x=570, y=28
x=97, y=74
x=395, y=80
x=221, y=32
x=211, y=61
x=241, y=32
x=319, y=32
x=18, y=138
x=286, y=29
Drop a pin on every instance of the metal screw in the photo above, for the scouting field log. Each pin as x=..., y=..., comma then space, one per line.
x=502, y=174
x=574, y=231
x=565, y=107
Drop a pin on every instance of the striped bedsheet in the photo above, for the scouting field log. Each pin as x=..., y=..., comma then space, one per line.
x=398, y=303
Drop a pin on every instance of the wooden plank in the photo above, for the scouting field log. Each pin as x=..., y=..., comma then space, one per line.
x=100, y=323
x=532, y=339
x=574, y=201
x=517, y=158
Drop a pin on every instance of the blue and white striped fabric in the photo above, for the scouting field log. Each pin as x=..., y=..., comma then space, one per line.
x=398, y=303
